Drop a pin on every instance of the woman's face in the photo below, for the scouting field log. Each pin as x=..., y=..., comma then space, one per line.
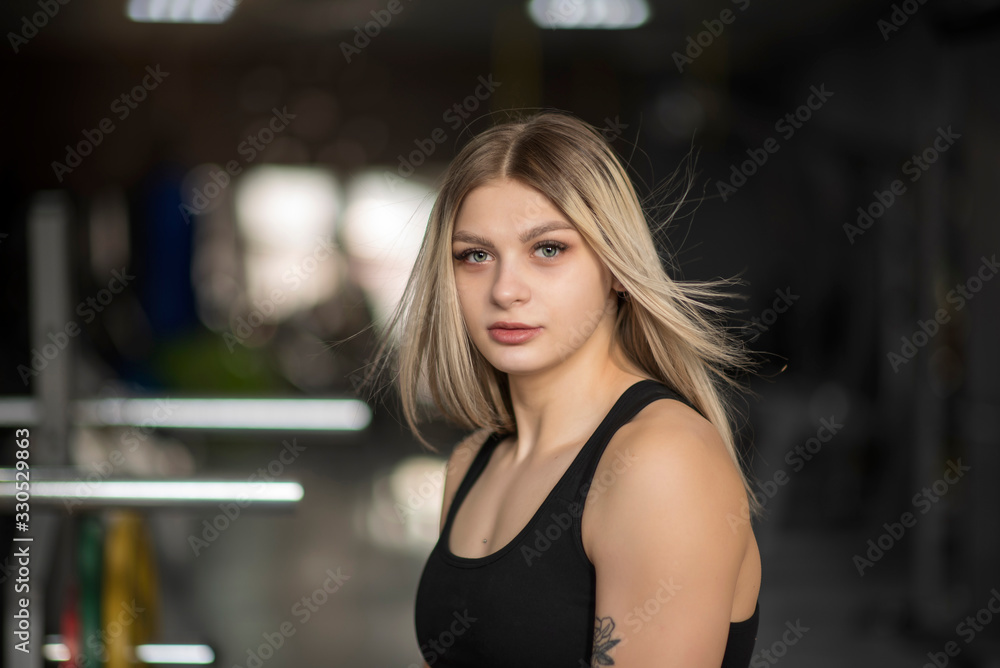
x=532, y=292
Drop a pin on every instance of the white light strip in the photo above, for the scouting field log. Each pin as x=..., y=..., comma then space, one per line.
x=589, y=14
x=160, y=490
x=180, y=11
x=175, y=654
x=56, y=652
x=169, y=654
x=311, y=414
x=20, y=411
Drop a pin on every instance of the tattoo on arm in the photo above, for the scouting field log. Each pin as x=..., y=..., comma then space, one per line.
x=603, y=630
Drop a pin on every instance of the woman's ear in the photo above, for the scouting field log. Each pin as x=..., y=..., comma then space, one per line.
x=616, y=285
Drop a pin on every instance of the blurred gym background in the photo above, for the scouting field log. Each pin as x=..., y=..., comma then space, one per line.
x=211, y=205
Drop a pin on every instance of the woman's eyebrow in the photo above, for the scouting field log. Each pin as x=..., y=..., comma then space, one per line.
x=524, y=237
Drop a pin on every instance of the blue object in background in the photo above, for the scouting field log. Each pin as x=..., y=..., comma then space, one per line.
x=164, y=241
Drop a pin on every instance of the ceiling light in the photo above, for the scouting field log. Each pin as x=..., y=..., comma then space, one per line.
x=589, y=14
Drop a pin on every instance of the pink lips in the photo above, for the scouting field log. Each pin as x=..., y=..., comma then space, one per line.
x=512, y=332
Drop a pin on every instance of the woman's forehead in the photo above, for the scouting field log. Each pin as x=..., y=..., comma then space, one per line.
x=510, y=202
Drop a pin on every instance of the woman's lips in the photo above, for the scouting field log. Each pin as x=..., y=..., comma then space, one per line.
x=501, y=335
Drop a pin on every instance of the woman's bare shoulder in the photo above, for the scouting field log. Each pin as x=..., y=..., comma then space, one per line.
x=674, y=431
x=668, y=461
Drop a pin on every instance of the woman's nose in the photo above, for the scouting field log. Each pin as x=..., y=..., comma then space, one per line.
x=509, y=284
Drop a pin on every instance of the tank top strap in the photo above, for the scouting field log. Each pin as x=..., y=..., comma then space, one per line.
x=472, y=474
x=633, y=400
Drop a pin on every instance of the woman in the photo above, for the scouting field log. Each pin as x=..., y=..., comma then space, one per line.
x=584, y=522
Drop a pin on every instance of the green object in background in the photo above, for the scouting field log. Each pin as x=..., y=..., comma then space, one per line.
x=202, y=362
x=90, y=563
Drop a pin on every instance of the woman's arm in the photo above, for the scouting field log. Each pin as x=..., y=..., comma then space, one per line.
x=666, y=550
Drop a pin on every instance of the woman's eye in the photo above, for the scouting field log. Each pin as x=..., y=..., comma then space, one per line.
x=478, y=256
x=550, y=250
x=547, y=251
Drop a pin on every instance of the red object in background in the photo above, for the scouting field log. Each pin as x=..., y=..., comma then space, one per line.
x=69, y=624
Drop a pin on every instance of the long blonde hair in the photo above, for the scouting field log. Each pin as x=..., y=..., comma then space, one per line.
x=668, y=329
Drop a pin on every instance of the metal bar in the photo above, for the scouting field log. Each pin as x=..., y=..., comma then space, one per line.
x=51, y=344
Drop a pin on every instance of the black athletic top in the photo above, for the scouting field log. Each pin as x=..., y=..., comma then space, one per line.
x=532, y=602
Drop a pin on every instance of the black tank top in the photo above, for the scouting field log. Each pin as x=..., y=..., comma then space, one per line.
x=531, y=603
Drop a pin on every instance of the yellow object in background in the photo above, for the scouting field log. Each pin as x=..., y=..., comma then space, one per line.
x=129, y=606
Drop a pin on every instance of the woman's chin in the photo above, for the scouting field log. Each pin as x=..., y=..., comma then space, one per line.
x=521, y=365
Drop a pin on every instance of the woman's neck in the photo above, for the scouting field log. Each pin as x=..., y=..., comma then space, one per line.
x=563, y=407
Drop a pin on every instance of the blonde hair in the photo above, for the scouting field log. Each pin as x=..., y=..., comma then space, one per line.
x=666, y=328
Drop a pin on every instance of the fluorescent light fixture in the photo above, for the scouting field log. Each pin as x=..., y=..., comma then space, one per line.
x=175, y=654
x=56, y=652
x=149, y=491
x=301, y=414
x=166, y=654
x=287, y=217
x=384, y=225
x=589, y=14
x=180, y=11
x=19, y=411
x=287, y=206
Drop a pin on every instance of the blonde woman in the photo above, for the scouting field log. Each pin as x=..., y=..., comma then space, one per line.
x=598, y=514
